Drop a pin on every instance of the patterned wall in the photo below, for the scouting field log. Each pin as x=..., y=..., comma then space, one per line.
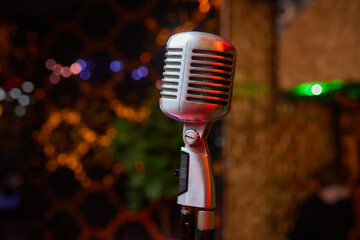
x=62, y=146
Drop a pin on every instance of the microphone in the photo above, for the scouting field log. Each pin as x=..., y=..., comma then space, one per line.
x=196, y=89
x=198, y=77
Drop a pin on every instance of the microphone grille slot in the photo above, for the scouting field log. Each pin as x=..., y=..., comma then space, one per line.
x=211, y=77
x=170, y=82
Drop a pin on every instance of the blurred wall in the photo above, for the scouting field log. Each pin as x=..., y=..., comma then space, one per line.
x=274, y=145
x=322, y=43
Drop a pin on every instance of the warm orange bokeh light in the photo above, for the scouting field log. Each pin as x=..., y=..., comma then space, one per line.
x=51, y=165
x=108, y=180
x=49, y=150
x=204, y=7
x=118, y=168
x=139, y=166
x=39, y=93
x=145, y=57
x=150, y=23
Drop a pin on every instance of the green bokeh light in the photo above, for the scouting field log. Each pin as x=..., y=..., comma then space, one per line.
x=317, y=88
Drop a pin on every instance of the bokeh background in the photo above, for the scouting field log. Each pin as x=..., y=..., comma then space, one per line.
x=85, y=152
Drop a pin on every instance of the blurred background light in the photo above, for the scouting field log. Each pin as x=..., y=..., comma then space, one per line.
x=15, y=93
x=2, y=94
x=28, y=87
x=135, y=75
x=8, y=97
x=220, y=141
x=85, y=74
x=73, y=42
x=82, y=63
x=158, y=84
x=57, y=69
x=54, y=78
x=75, y=68
x=116, y=66
x=24, y=100
x=142, y=71
x=50, y=63
x=65, y=72
x=145, y=57
x=316, y=89
x=20, y=111
x=90, y=64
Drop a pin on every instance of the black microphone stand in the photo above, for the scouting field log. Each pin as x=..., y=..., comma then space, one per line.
x=187, y=223
x=204, y=228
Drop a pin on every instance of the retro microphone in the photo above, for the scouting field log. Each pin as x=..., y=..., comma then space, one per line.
x=196, y=89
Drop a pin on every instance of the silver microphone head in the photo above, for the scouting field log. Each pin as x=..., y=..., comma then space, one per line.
x=198, y=77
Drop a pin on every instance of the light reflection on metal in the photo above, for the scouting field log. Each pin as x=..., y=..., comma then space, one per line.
x=197, y=88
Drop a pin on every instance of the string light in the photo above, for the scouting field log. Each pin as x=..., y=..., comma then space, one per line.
x=65, y=72
x=2, y=94
x=108, y=179
x=139, y=166
x=82, y=63
x=158, y=84
x=142, y=71
x=28, y=87
x=85, y=74
x=83, y=68
x=80, y=66
x=135, y=75
x=20, y=111
x=204, y=6
x=145, y=57
x=128, y=113
x=50, y=63
x=57, y=69
x=54, y=78
x=139, y=73
x=24, y=100
x=39, y=93
x=8, y=97
x=15, y=93
x=72, y=159
x=150, y=23
x=116, y=66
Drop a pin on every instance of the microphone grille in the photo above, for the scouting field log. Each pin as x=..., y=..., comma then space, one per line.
x=211, y=77
x=170, y=82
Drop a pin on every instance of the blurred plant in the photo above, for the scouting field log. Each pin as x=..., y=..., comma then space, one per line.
x=149, y=153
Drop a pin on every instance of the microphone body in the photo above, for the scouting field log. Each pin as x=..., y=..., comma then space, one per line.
x=196, y=89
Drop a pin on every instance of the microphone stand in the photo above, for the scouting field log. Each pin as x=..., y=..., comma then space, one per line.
x=196, y=184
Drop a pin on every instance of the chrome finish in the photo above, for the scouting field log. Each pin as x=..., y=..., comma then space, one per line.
x=191, y=137
x=206, y=220
x=196, y=89
x=198, y=77
x=201, y=185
